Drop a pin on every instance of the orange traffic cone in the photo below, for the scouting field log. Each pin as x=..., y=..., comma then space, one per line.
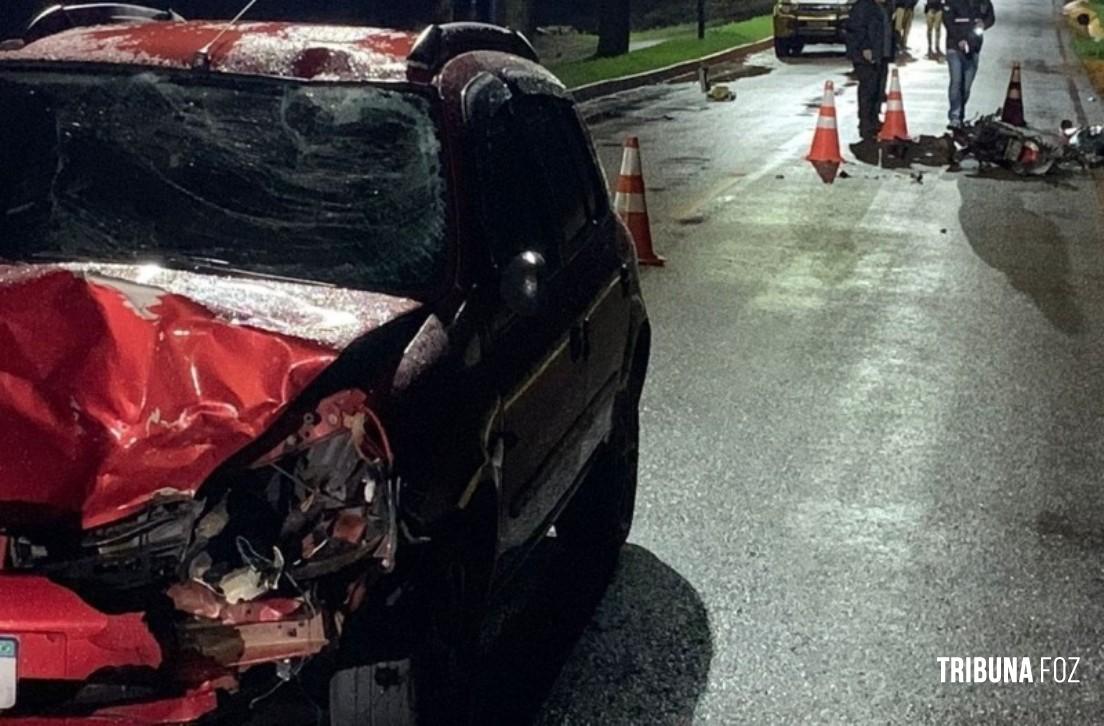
x=632, y=206
x=895, y=127
x=1013, y=111
x=825, y=153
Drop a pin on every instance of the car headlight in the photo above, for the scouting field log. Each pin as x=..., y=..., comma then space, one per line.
x=123, y=556
x=787, y=8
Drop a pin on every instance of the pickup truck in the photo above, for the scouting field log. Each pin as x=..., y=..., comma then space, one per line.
x=798, y=22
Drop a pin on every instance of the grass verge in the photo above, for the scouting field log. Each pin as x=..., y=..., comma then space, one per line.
x=1090, y=51
x=682, y=45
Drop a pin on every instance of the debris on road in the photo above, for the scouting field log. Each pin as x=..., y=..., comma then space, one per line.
x=1027, y=151
x=721, y=93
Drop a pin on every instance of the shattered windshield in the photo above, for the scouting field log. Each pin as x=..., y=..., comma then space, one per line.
x=330, y=183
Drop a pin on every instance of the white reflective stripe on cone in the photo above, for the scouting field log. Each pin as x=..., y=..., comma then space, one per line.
x=630, y=204
x=826, y=122
x=630, y=164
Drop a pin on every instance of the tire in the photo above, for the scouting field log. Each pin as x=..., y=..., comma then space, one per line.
x=796, y=47
x=597, y=521
x=424, y=673
x=380, y=694
x=782, y=48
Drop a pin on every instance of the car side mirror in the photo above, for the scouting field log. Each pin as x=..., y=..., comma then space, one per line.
x=523, y=284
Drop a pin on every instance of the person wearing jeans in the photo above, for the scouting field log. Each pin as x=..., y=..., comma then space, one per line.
x=966, y=22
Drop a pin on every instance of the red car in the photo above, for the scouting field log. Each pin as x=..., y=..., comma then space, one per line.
x=308, y=334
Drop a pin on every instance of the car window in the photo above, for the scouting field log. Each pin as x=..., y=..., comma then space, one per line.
x=558, y=163
x=592, y=179
x=513, y=193
x=335, y=184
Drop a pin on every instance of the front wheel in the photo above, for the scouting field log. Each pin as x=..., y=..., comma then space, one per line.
x=788, y=47
x=410, y=661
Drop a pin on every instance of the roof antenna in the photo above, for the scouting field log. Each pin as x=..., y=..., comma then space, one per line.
x=202, y=58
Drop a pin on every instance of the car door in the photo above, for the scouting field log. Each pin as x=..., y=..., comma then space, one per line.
x=599, y=271
x=539, y=358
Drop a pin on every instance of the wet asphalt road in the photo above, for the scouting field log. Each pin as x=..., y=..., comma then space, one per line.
x=872, y=432
x=873, y=429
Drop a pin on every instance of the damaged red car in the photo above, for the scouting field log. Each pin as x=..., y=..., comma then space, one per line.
x=308, y=335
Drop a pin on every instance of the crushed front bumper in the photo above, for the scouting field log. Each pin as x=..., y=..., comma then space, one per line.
x=61, y=638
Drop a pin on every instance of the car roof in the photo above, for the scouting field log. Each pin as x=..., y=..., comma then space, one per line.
x=288, y=50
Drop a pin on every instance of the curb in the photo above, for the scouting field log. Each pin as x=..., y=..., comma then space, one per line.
x=647, y=78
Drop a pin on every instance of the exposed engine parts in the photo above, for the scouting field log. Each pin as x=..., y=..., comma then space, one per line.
x=253, y=569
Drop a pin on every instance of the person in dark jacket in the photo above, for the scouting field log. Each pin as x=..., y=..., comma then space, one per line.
x=966, y=22
x=870, y=46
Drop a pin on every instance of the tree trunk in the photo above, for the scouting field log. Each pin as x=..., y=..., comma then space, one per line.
x=613, y=27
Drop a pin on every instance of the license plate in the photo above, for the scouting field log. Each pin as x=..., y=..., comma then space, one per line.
x=9, y=657
x=1013, y=151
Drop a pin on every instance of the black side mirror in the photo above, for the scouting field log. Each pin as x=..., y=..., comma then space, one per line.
x=523, y=284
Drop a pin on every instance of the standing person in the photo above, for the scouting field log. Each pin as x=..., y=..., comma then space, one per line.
x=933, y=12
x=966, y=22
x=902, y=22
x=870, y=48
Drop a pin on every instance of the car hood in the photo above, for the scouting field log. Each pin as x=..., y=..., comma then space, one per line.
x=121, y=383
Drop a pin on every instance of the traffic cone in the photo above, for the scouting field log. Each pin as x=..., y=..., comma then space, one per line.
x=895, y=127
x=825, y=152
x=632, y=206
x=1013, y=112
